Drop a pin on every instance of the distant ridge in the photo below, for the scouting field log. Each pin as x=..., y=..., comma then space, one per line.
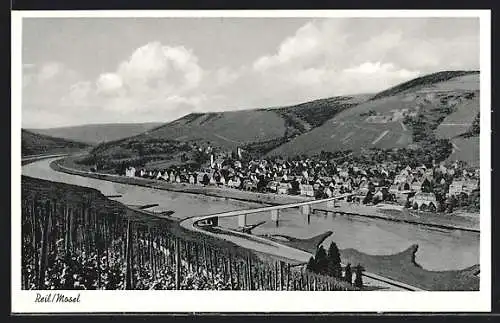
x=98, y=133
x=434, y=107
x=422, y=81
x=37, y=144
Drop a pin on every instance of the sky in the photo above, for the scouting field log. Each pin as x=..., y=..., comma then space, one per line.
x=113, y=70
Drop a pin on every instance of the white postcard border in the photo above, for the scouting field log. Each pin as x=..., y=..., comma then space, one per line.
x=257, y=301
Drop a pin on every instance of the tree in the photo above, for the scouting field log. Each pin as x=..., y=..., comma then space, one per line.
x=205, y=180
x=311, y=265
x=348, y=274
x=321, y=260
x=295, y=187
x=334, y=266
x=368, y=197
x=120, y=170
x=358, y=281
x=426, y=186
x=452, y=203
x=262, y=184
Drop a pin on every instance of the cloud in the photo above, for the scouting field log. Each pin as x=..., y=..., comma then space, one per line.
x=323, y=58
x=344, y=56
x=109, y=83
x=157, y=67
x=47, y=84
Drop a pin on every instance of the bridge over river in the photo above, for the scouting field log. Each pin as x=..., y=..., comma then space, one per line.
x=213, y=219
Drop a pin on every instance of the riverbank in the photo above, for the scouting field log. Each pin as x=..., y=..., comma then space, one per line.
x=439, y=221
x=401, y=267
x=25, y=160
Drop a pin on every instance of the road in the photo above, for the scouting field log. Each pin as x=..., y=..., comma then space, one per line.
x=263, y=245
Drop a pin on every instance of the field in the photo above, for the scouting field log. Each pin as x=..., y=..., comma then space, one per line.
x=340, y=135
x=75, y=238
x=466, y=149
x=226, y=129
x=381, y=122
x=459, y=121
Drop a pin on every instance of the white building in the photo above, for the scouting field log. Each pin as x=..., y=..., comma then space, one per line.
x=130, y=172
x=306, y=190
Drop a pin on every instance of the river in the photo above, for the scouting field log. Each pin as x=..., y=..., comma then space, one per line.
x=439, y=249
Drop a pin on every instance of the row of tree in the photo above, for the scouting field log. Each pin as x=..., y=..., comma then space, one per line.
x=329, y=263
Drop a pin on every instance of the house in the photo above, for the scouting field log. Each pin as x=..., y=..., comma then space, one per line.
x=218, y=162
x=272, y=186
x=200, y=176
x=328, y=192
x=248, y=185
x=425, y=201
x=306, y=190
x=463, y=186
x=365, y=187
x=394, y=189
x=470, y=185
x=283, y=188
x=130, y=172
x=456, y=187
x=344, y=173
x=325, y=179
x=177, y=179
x=236, y=182
x=416, y=186
x=171, y=177
x=379, y=195
x=401, y=178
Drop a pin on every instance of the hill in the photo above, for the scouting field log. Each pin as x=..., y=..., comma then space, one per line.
x=434, y=113
x=416, y=114
x=257, y=131
x=232, y=129
x=97, y=133
x=35, y=144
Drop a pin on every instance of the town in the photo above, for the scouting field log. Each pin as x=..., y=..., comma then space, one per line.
x=439, y=187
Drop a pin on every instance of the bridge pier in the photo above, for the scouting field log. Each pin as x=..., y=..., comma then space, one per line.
x=275, y=216
x=306, y=211
x=242, y=220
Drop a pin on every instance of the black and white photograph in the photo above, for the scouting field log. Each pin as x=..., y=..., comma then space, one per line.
x=193, y=161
